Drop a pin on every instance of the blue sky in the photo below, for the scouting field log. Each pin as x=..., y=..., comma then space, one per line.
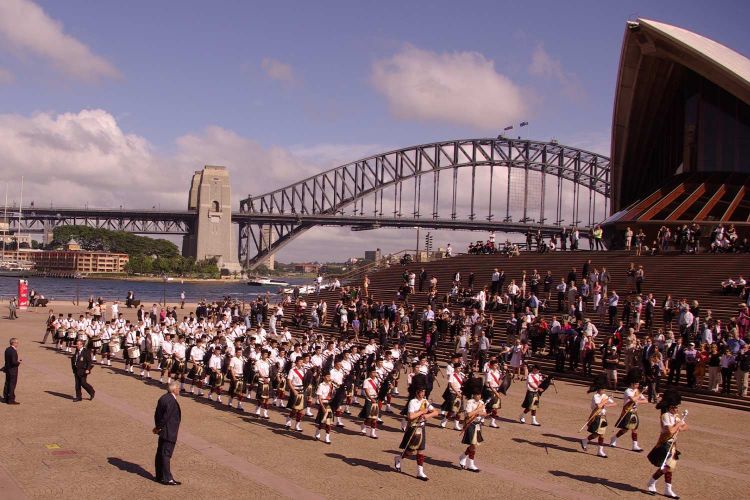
x=180, y=84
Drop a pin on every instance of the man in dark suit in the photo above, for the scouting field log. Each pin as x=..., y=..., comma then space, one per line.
x=81, y=364
x=676, y=357
x=11, y=372
x=166, y=424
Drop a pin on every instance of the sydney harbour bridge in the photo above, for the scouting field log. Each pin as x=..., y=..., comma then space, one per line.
x=500, y=184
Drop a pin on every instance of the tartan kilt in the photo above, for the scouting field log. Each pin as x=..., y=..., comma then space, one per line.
x=325, y=415
x=414, y=439
x=216, y=379
x=236, y=386
x=178, y=367
x=369, y=410
x=657, y=455
x=166, y=363
x=296, y=402
x=472, y=434
x=263, y=391
x=598, y=425
x=196, y=373
x=629, y=421
x=531, y=401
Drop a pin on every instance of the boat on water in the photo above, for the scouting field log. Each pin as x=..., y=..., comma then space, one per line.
x=263, y=281
x=15, y=269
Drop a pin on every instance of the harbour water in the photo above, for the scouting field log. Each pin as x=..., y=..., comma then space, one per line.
x=109, y=290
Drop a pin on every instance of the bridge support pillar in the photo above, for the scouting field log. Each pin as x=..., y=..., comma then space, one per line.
x=213, y=236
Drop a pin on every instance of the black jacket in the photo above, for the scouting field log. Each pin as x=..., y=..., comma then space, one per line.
x=167, y=417
x=83, y=363
x=680, y=357
x=11, y=360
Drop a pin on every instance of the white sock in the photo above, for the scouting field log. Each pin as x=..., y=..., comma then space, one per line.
x=420, y=471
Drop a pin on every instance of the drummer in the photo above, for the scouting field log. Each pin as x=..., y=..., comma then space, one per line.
x=236, y=377
x=166, y=360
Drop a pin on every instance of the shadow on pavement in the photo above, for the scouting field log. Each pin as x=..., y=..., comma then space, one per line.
x=357, y=462
x=60, y=395
x=545, y=445
x=130, y=467
x=593, y=479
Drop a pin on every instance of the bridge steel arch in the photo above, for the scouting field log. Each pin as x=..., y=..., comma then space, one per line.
x=266, y=224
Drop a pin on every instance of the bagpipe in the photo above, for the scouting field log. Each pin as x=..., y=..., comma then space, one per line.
x=385, y=386
x=596, y=412
x=339, y=394
x=544, y=384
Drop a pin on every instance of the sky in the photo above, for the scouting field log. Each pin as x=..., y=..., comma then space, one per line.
x=114, y=103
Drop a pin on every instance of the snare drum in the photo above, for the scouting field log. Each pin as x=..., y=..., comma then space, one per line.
x=71, y=334
x=96, y=343
x=134, y=352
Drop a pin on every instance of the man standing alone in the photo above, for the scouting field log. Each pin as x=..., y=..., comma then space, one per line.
x=167, y=419
x=81, y=364
x=11, y=372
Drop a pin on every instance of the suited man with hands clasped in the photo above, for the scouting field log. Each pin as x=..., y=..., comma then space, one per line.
x=82, y=364
x=167, y=419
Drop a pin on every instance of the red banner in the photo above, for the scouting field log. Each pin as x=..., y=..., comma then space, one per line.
x=23, y=294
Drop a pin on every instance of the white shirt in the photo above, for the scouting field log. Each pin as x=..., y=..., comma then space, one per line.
x=178, y=351
x=263, y=367
x=415, y=405
x=597, y=400
x=296, y=377
x=197, y=354
x=215, y=362
x=325, y=391
x=236, y=365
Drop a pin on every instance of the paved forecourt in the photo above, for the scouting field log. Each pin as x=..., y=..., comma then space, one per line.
x=104, y=448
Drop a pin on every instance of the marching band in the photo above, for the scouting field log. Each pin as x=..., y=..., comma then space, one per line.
x=331, y=374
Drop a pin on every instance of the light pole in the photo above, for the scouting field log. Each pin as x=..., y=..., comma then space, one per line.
x=416, y=252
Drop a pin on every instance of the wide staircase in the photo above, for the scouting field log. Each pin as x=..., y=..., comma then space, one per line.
x=694, y=277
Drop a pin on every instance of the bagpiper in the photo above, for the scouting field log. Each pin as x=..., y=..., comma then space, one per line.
x=179, y=365
x=415, y=438
x=531, y=401
x=665, y=454
x=596, y=425
x=496, y=383
x=452, y=398
x=628, y=420
x=324, y=419
x=296, y=402
x=474, y=412
x=370, y=411
x=165, y=363
x=198, y=370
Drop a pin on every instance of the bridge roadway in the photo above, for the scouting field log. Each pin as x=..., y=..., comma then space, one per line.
x=159, y=221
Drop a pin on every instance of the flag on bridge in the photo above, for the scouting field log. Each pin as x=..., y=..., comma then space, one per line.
x=510, y=127
x=523, y=124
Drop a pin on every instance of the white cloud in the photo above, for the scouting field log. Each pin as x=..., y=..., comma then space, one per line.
x=28, y=29
x=277, y=70
x=6, y=76
x=85, y=157
x=456, y=87
x=546, y=66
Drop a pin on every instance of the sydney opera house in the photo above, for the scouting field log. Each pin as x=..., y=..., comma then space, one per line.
x=681, y=131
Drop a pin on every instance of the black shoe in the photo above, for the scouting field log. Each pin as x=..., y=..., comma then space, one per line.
x=171, y=482
x=14, y=403
x=91, y=396
x=75, y=400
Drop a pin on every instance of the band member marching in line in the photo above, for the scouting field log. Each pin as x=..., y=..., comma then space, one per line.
x=198, y=370
x=296, y=402
x=452, y=398
x=370, y=410
x=415, y=439
x=337, y=379
x=324, y=419
x=628, y=420
x=531, y=401
x=236, y=379
x=167, y=347
x=497, y=382
x=132, y=352
x=216, y=377
x=263, y=392
x=107, y=332
x=665, y=455
x=151, y=347
x=312, y=379
x=596, y=425
x=475, y=412
x=179, y=365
